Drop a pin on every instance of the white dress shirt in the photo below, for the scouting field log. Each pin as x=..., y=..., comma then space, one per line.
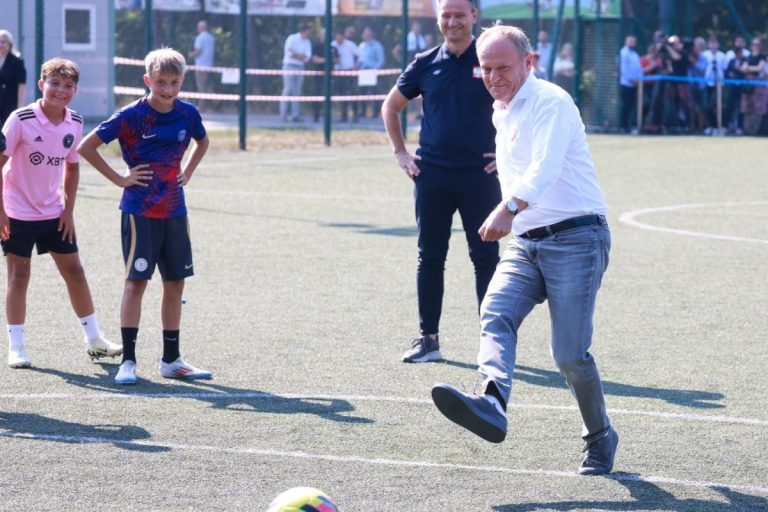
x=630, y=70
x=296, y=45
x=543, y=158
x=715, y=64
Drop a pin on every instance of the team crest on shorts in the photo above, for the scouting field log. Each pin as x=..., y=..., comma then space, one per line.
x=182, y=135
x=140, y=264
x=68, y=140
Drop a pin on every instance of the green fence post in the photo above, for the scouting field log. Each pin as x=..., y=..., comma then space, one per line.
x=39, y=42
x=148, y=27
x=404, y=63
x=242, y=108
x=327, y=69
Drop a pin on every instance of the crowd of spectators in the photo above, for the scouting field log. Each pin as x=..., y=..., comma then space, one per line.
x=682, y=80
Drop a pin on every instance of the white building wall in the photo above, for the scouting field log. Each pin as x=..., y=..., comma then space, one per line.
x=94, y=98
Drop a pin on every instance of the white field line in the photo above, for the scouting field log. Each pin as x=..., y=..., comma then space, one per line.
x=377, y=461
x=300, y=195
x=704, y=418
x=630, y=219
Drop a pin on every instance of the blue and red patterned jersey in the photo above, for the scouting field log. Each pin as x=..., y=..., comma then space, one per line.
x=147, y=136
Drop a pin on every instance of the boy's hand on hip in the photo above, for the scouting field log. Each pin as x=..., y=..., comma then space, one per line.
x=182, y=179
x=139, y=175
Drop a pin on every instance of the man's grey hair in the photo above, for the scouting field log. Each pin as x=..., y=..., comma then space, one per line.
x=501, y=31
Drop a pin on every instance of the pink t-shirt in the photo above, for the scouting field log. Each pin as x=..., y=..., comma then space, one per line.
x=38, y=151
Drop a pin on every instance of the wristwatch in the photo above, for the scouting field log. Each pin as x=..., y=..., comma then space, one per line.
x=511, y=206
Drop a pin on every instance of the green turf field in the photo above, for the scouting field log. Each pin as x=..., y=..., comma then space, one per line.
x=304, y=301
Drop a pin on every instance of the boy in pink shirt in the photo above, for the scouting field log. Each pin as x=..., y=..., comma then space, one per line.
x=41, y=141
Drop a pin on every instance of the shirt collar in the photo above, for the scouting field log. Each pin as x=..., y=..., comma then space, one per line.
x=445, y=53
x=525, y=90
x=38, y=110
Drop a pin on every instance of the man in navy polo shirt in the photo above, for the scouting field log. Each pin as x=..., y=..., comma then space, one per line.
x=453, y=168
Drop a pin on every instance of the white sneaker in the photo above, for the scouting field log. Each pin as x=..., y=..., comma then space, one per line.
x=127, y=373
x=181, y=370
x=17, y=357
x=100, y=347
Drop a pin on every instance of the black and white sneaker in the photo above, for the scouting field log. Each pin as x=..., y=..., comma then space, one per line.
x=423, y=349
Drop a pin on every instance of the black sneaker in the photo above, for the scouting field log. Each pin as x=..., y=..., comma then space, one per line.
x=599, y=454
x=422, y=350
x=473, y=412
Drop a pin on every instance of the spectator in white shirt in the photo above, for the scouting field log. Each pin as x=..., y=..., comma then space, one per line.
x=297, y=52
x=416, y=41
x=204, y=47
x=347, y=60
x=630, y=74
x=544, y=47
x=559, y=251
x=714, y=72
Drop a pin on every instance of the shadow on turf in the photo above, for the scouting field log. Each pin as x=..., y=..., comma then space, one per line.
x=38, y=427
x=649, y=496
x=683, y=397
x=220, y=397
x=370, y=229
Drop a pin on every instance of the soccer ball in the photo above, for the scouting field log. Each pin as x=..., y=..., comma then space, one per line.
x=302, y=499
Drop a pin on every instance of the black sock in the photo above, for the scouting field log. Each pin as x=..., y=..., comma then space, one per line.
x=170, y=346
x=492, y=390
x=129, y=335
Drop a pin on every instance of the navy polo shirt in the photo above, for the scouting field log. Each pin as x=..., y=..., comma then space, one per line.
x=456, y=128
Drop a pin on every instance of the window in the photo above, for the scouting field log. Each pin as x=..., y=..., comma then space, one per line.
x=79, y=27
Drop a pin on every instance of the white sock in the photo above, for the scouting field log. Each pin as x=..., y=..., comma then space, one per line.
x=496, y=403
x=90, y=326
x=16, y=335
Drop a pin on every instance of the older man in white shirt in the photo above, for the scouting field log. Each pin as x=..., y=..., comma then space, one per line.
x=559, y=252
x=297, y=52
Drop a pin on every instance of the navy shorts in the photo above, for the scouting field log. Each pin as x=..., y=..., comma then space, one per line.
x=156, y=242
x=45, y=234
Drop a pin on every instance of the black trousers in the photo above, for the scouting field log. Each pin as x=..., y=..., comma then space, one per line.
x=628, y=104
x=439, y=192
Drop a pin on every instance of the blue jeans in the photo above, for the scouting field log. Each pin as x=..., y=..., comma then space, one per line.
x=565, y=269
x=438, y=193
x=292, y=85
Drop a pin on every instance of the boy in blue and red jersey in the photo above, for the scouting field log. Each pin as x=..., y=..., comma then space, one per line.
x=154, y=133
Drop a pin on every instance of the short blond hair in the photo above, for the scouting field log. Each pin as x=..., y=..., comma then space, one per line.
x=164, y=60
x=500, y=31
x=60, y=67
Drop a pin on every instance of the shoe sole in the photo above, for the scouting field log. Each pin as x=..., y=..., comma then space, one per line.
x=128, y=382
x=23, y=364
x=187, y=377
x=456, y=409
x=95, y=355
x=435, y=355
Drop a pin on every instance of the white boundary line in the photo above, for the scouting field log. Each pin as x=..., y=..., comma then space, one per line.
x=704, y=418
x=377, y=461
x=629, y=218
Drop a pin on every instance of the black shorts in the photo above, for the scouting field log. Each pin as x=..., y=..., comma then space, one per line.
x=156, y=242
x=45, y=234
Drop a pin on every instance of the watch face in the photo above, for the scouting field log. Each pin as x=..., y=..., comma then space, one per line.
x=511, y=206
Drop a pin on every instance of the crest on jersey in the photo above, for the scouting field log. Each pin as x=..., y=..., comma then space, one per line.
x=182, y=135
x=68, y=140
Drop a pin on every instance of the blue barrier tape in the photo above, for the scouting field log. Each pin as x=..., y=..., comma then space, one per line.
x=689, y=79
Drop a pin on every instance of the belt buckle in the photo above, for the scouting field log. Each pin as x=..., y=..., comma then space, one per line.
x=548, y=229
